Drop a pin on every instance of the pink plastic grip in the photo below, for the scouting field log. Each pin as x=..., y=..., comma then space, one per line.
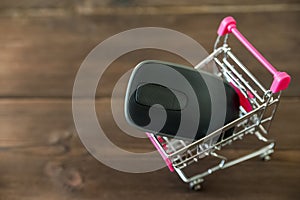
x=166, y=159
x=281, y=80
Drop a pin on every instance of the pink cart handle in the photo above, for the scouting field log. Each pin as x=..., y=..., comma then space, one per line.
x=281, y=79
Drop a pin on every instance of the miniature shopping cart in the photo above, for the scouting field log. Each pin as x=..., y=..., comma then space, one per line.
x=249, y=107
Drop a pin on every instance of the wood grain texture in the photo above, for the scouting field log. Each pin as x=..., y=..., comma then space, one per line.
x=38, y=121
x=39, y=160
x=25, y=175
x=40, y=56
x=43, y=44
x=36, y=4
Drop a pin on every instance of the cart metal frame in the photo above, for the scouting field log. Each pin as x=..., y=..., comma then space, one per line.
x=256, y=121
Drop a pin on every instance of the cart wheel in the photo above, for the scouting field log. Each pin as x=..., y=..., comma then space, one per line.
x=267, y=155
x=196, y=185
x=266, y=158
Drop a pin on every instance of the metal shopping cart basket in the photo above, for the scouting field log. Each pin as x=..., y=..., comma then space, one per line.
x=249, y=106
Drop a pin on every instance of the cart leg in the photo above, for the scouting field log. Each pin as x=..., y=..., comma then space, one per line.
x=196, y=185
x=265, y=156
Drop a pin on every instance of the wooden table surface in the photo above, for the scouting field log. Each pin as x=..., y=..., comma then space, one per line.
x=43, y=44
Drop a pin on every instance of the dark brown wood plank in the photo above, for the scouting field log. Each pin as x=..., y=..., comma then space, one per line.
x=6, y=4
x=33, y=177
x=42, y=122
x=204, y=2
x=67, y=4
x=40, y=56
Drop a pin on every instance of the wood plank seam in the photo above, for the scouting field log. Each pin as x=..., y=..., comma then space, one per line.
x=148, y=10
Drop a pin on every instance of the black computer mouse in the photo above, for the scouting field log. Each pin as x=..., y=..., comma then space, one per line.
x=178, y=101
